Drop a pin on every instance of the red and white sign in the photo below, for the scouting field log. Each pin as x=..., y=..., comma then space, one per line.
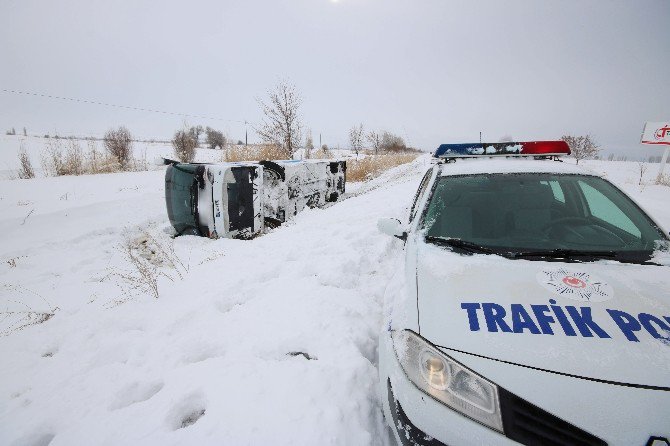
x=656, y=133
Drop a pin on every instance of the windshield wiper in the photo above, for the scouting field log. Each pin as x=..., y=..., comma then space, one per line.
x=460, y=244
x=567, y=254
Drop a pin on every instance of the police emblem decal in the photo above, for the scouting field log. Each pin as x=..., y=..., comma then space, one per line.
x=575, y=285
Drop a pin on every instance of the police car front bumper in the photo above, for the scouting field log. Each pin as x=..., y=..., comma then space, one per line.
x=408, y=434
x=544, y=408
x=419, y=420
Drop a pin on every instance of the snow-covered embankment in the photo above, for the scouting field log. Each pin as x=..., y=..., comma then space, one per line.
x=269, y=341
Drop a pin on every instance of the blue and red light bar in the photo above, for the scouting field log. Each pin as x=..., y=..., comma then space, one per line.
x=529, y=148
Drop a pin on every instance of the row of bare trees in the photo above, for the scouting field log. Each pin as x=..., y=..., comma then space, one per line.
x=282, y=126
x=186, y=141
x=383, y=141
x=66, y=157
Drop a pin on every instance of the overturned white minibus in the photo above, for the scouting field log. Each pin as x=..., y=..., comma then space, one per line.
x=238, y=200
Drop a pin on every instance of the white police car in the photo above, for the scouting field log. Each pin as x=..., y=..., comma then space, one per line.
x=535, y=310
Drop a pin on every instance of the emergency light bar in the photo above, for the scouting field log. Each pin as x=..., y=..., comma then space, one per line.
x=530, y=148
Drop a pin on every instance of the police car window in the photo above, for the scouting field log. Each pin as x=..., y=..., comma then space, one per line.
x=602, y=207
x=556, y=190
x=419, y=193
x=524, y=212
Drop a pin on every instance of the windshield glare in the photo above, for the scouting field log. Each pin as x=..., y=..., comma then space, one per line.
x=539, y=212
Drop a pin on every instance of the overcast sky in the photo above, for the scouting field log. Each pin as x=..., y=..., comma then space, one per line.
x=433, y=71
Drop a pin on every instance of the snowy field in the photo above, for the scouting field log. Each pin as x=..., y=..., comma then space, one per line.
x=269, y=341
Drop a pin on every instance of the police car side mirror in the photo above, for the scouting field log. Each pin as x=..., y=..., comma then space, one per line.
x=391, y=226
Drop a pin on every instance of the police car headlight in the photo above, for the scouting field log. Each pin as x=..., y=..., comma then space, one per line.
x=447, y=381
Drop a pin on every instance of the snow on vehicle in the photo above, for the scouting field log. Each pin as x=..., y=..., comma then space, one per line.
x=536, y=310
x=237, y=200
x=296, y=184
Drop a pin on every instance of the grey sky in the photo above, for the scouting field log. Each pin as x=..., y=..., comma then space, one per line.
x=433, y=71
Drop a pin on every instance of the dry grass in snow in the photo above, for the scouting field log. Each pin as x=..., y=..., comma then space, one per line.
x=373, y=165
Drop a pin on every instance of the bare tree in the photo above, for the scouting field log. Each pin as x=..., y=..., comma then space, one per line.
x=282, y=124
x=392, y=143
x=582, y=147
x=197, y=131
x=506, y=138
x=309, y=145
x=118, y=143
x=184, y=144
x=375, y=141
x=215, y=138
x=356, y=138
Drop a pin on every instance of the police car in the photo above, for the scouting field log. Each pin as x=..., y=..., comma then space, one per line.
x=535, y=307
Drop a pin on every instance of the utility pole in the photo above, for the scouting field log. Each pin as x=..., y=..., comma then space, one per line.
x=480, y=137
x=320, y=141
x=246, y=135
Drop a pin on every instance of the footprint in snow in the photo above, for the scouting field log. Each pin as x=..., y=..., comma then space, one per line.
x=191, y=409
x=35, y=439
x=191, y=418
x=135, y=393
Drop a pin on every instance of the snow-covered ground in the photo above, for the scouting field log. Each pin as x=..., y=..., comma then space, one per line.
x=268, y=341
x=223, y=342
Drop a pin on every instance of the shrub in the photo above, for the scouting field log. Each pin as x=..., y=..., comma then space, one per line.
x=52, y=158
x=184, y=144
x=74, y=159
x=663, y=180
x=26, y=171
x=322, y=153
x=57, y=161
x=118, y=143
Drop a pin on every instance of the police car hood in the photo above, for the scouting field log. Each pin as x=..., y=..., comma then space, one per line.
x=603, y=320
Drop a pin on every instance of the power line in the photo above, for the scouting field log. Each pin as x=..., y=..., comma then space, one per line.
x=127, y=107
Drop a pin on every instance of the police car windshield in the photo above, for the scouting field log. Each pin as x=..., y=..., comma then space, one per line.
x=531, y=213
